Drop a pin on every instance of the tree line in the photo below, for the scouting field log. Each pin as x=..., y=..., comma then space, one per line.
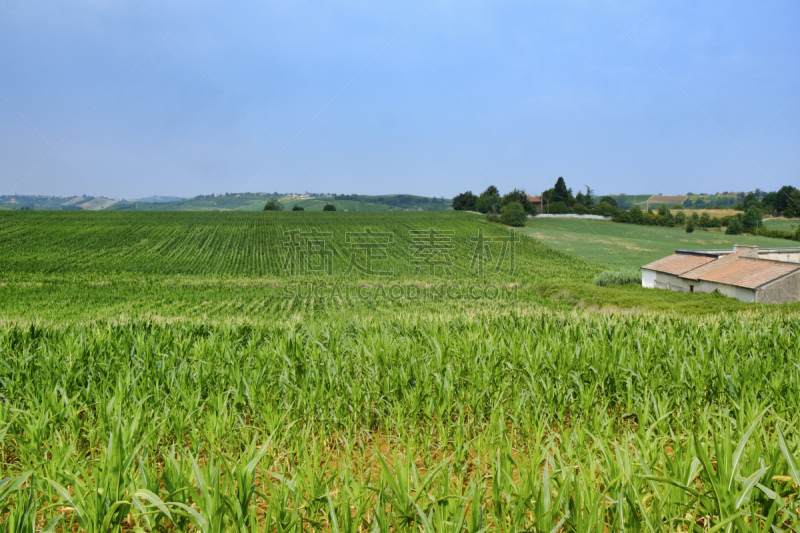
x=513, y=207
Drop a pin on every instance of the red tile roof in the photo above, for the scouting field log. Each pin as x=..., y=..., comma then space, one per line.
x=742, y=271
x=678, y=264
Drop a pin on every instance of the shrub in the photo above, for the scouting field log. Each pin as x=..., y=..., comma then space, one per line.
x=273, y=205
x=558, y=208
x=605, y=209
x=513, y=214
x=617, y=277
x=690, y=226
x=734, y=227
x=329, y=207
x=521, y=197
x=297, y=208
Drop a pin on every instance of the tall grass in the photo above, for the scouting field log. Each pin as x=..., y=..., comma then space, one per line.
x=535, y=422
x=617, y=277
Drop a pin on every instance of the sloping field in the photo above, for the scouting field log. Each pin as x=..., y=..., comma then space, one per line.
x=629, y=246
x=719, y=213
x=258, y=245
x=785, y=224
x=96, y=204
x=656, y=200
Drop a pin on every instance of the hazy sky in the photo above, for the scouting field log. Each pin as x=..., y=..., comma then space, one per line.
x=130, y=98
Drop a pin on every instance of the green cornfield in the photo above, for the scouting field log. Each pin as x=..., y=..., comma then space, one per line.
x=160, y=372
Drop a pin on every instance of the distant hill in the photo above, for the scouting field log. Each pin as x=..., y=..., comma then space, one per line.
x=656, y=200
x=160, y=199
x=54, y=203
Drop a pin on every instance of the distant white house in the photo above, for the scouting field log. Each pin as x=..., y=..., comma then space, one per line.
x=770, y=275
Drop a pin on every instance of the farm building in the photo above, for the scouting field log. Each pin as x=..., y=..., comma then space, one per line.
x=769, y=275
x=537, y=202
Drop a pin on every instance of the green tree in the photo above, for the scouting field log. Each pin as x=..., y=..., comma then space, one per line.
x=273, y=205
x=519, y=196
x=329, y=207
x=750, y=200
x=465, y=201
x=690, y=226
x=734, y=227
x=561, y=193
x=782, y=200
x=768, y=202
x=751, y=220
x=609, y=200
x=513, y=214
x=792, y=209
x=558, y=208
x=680, y=219
x=605, y=209
x=297, y=208
x=489, y=200
x=635, y=214
x=588, y=198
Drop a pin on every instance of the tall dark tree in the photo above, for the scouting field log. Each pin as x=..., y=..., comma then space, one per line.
x=560, y=192
x=793, y=205
x=768, y=201
x=489, y=200
x=491, y=190
x=751, y=220
x=465, y=201
x=588, y=198
x=782, y=198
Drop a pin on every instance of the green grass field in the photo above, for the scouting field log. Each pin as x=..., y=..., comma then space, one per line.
x=164, y=372
x=631, y=246
x=785, y=224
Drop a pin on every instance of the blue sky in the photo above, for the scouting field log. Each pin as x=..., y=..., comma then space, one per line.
x=130, y=98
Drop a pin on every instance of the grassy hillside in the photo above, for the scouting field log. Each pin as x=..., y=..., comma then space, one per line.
x=255, y=202
x=57, y=203
x=60, y=266
x=389, y=202
x=785, y=224
x=226, y=202
x=250, y=244
x=627, y=245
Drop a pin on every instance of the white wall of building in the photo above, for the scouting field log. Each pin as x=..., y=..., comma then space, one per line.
x=648, y=279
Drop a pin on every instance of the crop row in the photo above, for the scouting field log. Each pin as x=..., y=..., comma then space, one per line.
x=254, y=244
